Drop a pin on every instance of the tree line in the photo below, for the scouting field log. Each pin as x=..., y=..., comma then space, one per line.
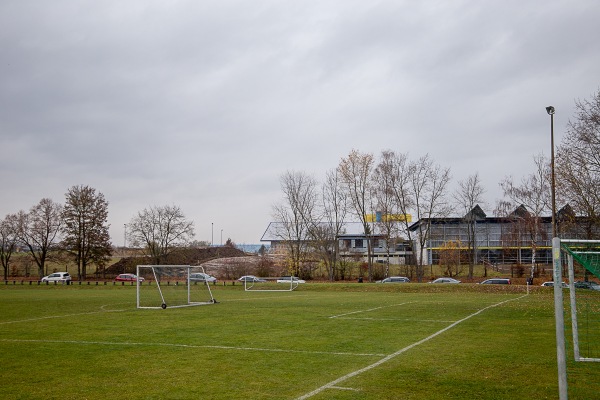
x=394, y=184
x=78, y=232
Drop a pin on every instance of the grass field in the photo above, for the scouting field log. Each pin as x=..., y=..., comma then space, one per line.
x=322, y=341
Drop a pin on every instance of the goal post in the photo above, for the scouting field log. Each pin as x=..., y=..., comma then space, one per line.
x=162, y=286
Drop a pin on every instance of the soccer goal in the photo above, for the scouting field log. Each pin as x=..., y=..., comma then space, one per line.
x=281, y=284
x=162, y=286
x=577, y=338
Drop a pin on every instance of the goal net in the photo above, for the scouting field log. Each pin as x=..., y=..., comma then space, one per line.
x=578, y=311
x=162, y=286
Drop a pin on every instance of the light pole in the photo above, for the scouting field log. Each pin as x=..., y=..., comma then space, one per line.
x=550, y=110
x=221, y=237
x=212, y=233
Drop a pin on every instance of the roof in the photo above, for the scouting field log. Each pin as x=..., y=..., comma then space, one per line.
x=519, y=212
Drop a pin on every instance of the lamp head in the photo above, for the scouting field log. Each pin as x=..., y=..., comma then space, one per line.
x=550, y=110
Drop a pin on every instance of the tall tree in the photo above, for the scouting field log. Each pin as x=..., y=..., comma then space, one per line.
x=427, y=187
x=85, y=229
x=335, y=209
x=401, y=170
x=296, y=216
x=578, y=164
x=38, y=230
x=386, y=203
x=160, y=230
x=9, y=236
x=533, y=192
x=468, y=195
x=355, y=171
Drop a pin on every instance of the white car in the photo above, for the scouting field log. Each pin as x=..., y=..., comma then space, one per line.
x=288, y=279
x=57, y=277
x=445, y=280
x=202, y=277
x=395, y=279
x=551, y=284
x=128, y=278
x=250, y=278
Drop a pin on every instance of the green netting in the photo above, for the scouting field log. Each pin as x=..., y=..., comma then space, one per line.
x=586, y=254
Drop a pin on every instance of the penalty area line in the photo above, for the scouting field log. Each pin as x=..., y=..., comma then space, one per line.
x=334, y=384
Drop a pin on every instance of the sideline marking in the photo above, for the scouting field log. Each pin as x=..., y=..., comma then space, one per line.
x=193, y=346
x=370, y=309
x=333, y=384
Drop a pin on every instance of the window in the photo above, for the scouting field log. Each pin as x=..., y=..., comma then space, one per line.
x=358, y=243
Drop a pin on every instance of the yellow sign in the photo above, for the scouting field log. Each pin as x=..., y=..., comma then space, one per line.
x=379, y=217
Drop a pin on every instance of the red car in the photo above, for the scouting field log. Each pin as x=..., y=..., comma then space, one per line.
x=128, y=278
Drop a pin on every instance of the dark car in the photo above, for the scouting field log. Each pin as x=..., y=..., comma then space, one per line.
x=496, y=281
x=586, y=285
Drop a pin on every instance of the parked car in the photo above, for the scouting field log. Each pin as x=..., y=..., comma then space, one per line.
x=128, y=278
x=394, y=279
x=551, y=284
x=202, y=277
x=445, y=280
x=57, y=277
x=288, y=279
x=586, y=285
x=496, y=281
x=251, y=278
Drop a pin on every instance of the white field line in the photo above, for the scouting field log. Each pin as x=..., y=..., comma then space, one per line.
x=401, y=319
x=265, y=298
x=59, y=316
x=189, y=346
x=334, y=383
x=370, y=309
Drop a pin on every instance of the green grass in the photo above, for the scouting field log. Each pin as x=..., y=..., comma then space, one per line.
x=76, y=342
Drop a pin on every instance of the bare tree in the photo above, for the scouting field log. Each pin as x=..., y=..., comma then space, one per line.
x=9, y=237
x=335, y=209
x=427, y=187
x=534, y=194
x=578, y=164
x=467, y=196
x=386, y=190
x=295, y=216
x=85, y=229
x=401, y=171
x=160, y=230
x=355, y=171
x=38, y=230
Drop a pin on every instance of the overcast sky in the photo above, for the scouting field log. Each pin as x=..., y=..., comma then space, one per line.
x=205, y=104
